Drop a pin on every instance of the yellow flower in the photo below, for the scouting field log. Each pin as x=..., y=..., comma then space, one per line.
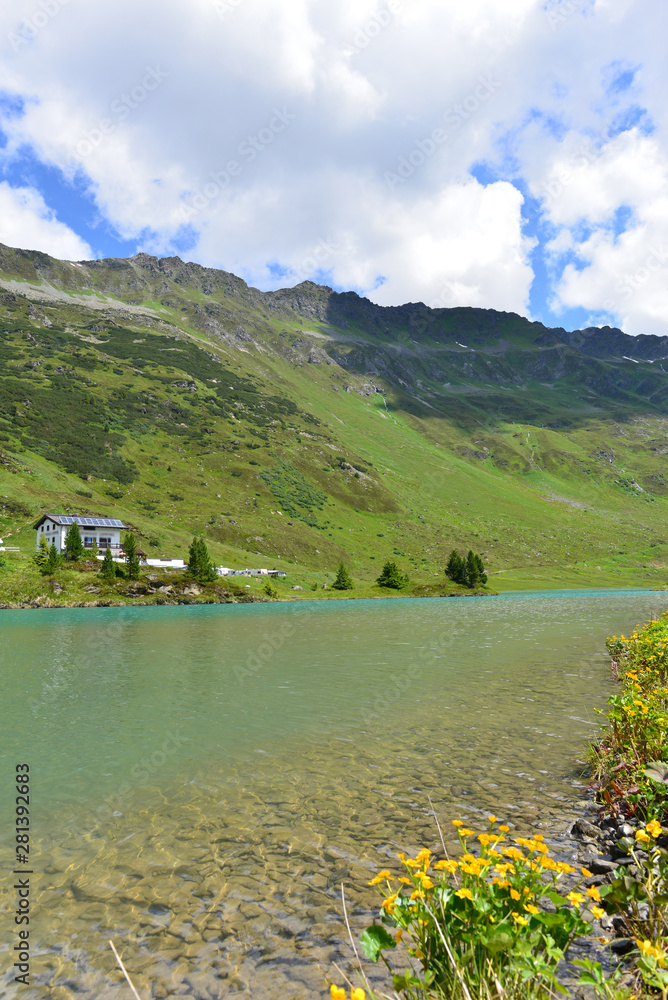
x=519, y=919
x=598, y=912
x=337, y=993
x=457, y=822
x=388, y=904
x=492, y=819
x=530, y=908
x=586, y=872
x=379, y=877
x=448, y=866
x=357, y=994
x=464, y=894
x=645, y=947
x=643, y=836
x=594, y=894
x=423, y=857
x=427, y=883
x=514, y=894
x=504, y=829
x=575, y=898
x=398, y=936
x=654, y=828
x=466, y=833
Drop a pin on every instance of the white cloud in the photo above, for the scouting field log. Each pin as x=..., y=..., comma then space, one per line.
x=359, y=86
x=27, y=222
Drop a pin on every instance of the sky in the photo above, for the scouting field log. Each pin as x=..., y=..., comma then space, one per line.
x=506, y=154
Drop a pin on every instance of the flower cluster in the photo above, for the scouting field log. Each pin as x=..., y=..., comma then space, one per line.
x=637, y=731
x=480, y=915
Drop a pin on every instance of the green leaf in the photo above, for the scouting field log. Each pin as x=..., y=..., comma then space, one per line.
x=374, y=939
x=657, y=771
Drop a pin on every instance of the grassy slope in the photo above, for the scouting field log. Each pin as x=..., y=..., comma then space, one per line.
x=473, y=464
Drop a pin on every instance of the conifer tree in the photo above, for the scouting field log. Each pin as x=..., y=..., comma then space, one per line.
x=131, y=557
x=94, y=551
x=53, y=562
x=392, y=576
x=343, y=580
x=42, y=555
x=199, y=561
x=108, y=568
x=74, y=547
x=455, y=569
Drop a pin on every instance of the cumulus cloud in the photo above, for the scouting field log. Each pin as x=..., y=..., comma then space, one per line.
x=377, y=144
x=28, y=223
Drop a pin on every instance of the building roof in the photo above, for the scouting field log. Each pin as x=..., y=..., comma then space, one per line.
x=83, y=522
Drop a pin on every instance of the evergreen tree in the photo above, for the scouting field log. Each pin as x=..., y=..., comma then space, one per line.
x=343, y=581
x=392, y=577
x=42, y=555
x=74, y=547
x=456, y=568
x=131, y=557
x=94, y=551
x=469, y=572
x=199, y=561
x=53, y=561
x=108, y=568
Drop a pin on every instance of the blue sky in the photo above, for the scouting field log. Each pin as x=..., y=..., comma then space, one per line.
x=505, y=156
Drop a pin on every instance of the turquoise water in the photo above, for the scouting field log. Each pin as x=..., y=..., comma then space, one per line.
x=203, y=777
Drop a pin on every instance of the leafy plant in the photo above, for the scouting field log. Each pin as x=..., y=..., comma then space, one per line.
x=474, y=927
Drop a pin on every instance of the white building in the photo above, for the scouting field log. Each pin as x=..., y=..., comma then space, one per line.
x=106, y=531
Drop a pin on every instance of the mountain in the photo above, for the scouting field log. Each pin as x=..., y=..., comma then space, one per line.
x=304, y=426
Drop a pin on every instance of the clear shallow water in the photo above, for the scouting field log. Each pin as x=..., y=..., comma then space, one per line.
x=205, y=778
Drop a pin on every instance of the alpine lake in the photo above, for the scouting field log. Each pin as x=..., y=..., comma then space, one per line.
x=204, y=779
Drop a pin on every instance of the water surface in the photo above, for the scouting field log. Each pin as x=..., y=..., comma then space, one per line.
x=204, y=778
